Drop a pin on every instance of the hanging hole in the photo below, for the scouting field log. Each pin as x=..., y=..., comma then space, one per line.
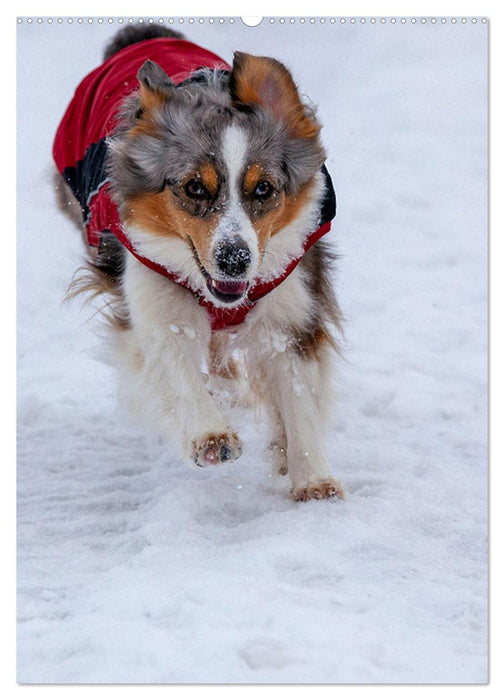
x=251, y=21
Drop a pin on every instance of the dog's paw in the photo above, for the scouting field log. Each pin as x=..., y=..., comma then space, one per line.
x=318, y=489
x=216, y=448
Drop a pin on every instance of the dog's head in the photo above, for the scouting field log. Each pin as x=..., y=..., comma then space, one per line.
x=221, y=163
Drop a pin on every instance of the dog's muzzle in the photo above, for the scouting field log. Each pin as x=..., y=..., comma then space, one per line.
x=232, y=259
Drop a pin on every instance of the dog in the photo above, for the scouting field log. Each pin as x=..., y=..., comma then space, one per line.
x=204, y=198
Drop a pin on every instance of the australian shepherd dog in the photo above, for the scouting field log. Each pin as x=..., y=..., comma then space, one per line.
x=203, y=198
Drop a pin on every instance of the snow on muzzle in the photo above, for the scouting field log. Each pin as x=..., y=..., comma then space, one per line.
x=232, y=260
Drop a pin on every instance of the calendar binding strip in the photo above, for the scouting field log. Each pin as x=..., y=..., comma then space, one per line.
x=217, y=21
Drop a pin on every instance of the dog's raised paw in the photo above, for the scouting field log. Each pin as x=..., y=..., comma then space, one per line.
x=216, y=448
x=318, y=489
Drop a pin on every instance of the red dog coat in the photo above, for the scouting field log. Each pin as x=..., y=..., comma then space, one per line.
x=80, y=151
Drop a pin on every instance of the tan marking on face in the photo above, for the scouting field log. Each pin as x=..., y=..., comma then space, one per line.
x=152, y=212
x=207, y=174
x=160, y=215
x=255, y=173
x=282, y=215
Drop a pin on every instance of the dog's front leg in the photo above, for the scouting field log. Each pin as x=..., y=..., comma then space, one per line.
x=162, y=360
x=206, y=437
x=297, y=387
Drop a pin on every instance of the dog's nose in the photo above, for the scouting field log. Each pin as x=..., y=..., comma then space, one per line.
x=233, y=257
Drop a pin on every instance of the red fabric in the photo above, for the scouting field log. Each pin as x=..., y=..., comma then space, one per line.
x=92, y=115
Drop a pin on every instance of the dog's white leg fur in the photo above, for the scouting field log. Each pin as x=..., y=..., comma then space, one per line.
x=277, y=447
x=160, y=360
x=298, y=390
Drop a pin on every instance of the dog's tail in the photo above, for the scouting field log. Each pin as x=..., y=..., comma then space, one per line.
x=138, y=32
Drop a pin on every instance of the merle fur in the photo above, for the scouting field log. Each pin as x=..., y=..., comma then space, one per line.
x=188, y=131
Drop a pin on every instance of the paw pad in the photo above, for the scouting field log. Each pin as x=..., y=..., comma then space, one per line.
x=216, y=449
x=320, y=489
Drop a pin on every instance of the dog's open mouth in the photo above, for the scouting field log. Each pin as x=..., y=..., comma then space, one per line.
x=227, y=291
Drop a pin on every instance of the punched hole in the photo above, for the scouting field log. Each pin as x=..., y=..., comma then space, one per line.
x=252, y=21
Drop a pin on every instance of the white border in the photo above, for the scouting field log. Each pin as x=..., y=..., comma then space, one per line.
x=260, y=8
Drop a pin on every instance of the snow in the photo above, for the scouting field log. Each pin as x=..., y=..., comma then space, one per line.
x=133, y=567
x=189, y=332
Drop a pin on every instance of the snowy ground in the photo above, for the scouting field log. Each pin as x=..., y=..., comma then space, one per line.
x=134, y=568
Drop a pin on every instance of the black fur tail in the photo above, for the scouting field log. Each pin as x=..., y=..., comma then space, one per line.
x=138, y=32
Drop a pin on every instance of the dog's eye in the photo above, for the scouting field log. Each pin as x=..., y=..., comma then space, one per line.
x=195, y=189
x=263, y=190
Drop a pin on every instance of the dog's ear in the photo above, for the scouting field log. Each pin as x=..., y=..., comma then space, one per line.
x=257, y=80
x=155, y=85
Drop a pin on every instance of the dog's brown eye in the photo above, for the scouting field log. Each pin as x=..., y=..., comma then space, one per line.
x=263, y=190
x=195, y=189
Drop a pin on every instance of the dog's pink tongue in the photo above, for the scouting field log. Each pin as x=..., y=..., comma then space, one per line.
x=229, y=287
